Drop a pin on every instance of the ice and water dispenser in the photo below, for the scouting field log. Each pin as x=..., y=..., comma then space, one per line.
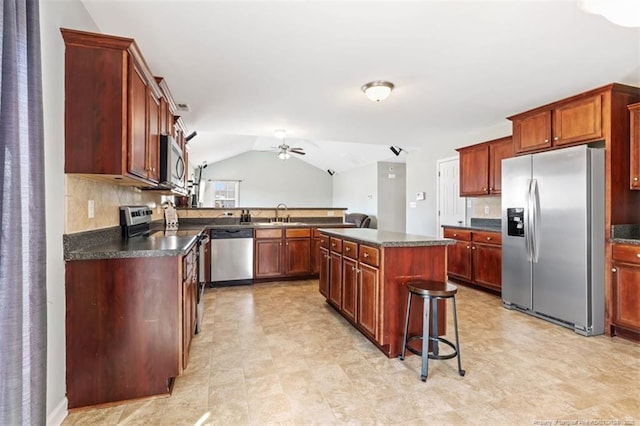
x=515, y=222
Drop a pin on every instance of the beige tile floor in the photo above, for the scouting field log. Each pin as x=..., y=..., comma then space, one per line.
x=278, y=354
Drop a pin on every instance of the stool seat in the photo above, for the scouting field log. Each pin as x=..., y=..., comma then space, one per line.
x=432, y=288
x=431, y=292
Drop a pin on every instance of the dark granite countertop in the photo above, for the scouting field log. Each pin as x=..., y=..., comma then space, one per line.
x=480, y=224
x=386, y=238
x=108, y=243
x=475, y=228
x=136, y=247
x=625, y=234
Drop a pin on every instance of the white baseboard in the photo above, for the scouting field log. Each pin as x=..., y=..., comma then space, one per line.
x=57, y=416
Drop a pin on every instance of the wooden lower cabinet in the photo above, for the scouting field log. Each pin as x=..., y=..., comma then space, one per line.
x=189, y=302
x=282, y=252
x=129, y=324
x=475, y=258
x=625, y=315
x=323, y=276
x=459, y=254
x=349, y=287
x=368, y=300
x=335, y=279
x=367, y=285
x=268, y=257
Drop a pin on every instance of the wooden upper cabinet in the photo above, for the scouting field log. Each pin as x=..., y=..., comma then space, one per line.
x=570, y=122
x=481, y=167
x=474, y=170
x=153, y=136
x=532, y=133
x=498, y=151
x=634, y=110
x=137, y=143
x=112, y=110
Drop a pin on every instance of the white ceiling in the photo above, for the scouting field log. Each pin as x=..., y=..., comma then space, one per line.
x=247, y=68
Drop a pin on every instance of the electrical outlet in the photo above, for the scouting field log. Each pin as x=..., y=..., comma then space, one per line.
x=91, y=209
x=486, y=209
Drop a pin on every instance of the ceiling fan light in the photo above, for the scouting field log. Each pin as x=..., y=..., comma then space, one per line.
x=378, y=90
x=284, y=155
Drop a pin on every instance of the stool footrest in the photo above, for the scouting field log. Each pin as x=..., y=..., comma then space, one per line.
x=431, y=354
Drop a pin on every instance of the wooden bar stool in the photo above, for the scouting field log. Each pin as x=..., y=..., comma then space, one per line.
x=431, y=292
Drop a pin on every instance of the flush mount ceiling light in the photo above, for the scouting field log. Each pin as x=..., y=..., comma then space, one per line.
x=378, y=90
x=625, y=13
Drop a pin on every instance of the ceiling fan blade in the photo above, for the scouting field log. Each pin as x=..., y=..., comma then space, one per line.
x=297, y=151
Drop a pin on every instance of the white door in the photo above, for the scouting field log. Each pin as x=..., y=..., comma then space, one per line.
x=451, y=207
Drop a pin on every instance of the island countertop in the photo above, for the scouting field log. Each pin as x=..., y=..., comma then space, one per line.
x=386, y=238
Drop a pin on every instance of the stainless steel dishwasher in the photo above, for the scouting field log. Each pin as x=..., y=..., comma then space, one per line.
x=231, y=256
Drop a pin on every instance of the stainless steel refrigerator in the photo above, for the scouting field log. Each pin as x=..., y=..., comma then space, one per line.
x=553, y=236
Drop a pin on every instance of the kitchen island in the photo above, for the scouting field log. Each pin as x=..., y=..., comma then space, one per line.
x=363, y=275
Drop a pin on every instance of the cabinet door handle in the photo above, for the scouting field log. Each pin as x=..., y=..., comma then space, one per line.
x=488, y=238
x=546, y=141
x=468, y=246
x=366, y=255
x=637, y=254
x=484, y=189
x=473, y=248
x=347, y=249
x=635, y=179
x=614, y=270
x=455, y=235
x=556, y=138
x=490, y=189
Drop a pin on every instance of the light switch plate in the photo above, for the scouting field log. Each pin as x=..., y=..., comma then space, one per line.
x=91, y=209
x=420, y=195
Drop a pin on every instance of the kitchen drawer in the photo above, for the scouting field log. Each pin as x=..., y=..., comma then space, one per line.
x=298, y=232
x=324, y=241
x=336, y=244
x=626, y=253
x=369, y=255
x=487, y=237
x=268, y=233
x=350, y=249
x=458, y=234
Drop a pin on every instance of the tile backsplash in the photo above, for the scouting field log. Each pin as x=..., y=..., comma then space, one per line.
x=484, y=207
x=107, y=199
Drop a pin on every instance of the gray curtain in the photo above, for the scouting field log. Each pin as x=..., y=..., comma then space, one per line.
x=23, y=315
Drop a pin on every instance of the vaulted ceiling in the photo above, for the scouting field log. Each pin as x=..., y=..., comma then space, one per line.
x=246, y=68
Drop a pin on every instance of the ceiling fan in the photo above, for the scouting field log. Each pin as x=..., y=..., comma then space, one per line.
x=284, y=150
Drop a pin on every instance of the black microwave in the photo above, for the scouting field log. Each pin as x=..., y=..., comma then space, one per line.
x=172, y=167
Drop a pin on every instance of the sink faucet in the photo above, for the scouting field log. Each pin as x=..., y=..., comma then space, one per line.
x=286, y=209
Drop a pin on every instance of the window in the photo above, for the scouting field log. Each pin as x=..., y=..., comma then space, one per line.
x=221, y=193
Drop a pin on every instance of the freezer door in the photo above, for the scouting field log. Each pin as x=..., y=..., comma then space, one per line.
x=560, y=275
x=516, y=267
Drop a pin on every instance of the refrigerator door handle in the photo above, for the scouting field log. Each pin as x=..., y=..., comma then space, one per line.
x=527, y=222
x=535, y=237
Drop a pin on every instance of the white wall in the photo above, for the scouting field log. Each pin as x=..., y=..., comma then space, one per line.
x=392, y=196
x=422, y=172
x=357, y=190
x=53, y=16
x=268, y=181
